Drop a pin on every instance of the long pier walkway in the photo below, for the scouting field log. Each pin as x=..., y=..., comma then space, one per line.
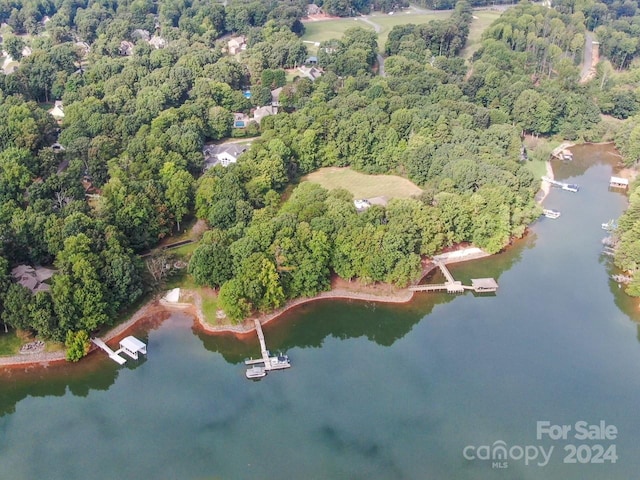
x=263, y=345
x=112, y=355
x=478, y=285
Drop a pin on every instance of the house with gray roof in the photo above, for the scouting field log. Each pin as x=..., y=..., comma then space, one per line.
x=223, y=155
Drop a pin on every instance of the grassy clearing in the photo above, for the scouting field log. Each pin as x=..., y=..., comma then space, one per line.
x=209, y=305
x=481, y=20
x=51, y=346
x=537, y=167
x=387, y=22
x=9, y=343
x=185, y=251
x=362, y=185
x=328, y=29
x=539, y=150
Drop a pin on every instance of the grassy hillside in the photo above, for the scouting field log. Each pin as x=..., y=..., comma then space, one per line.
x=362, y=185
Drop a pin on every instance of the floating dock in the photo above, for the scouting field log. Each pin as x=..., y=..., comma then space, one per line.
x=478, y=285
x=261, y=366
x=569, y=187
x=549, y=213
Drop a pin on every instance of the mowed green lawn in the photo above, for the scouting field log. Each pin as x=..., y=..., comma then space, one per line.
x=324, y=30
x=387, y=22
x=362, y=185
x=481, y=20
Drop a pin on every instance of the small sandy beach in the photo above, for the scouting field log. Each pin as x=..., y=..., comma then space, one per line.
x=545, y=187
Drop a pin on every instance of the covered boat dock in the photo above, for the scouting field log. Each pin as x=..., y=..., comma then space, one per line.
x=484, y=285
x=618, y=182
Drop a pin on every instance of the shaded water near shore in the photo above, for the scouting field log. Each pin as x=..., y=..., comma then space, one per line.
x=376, y=391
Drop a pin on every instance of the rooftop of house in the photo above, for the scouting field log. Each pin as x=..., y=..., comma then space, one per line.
x=139, y=33
x=32, y=278
x=157, y=41
x=213, y=153
x=126, y=48
x=237, y=41
x=261, y=112
x=311, y=73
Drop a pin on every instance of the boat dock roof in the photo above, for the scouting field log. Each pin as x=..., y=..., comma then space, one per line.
x=484, y=284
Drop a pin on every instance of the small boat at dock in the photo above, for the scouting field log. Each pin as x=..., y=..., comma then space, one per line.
x=256, y=372
x=550, y=213
x=569, y=187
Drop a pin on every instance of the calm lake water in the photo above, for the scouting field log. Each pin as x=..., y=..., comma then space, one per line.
x=375, y=391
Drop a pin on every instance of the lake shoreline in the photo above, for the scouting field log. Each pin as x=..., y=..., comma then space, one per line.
x=340, y=290
x=354, y=290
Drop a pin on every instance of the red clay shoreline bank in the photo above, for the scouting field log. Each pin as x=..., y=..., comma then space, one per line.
x=395, y=295
x=156, y=305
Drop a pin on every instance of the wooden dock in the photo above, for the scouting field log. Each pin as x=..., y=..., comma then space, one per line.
x=112, y=355
x=263, y=345
x=261, y=366
x=569, y=187
x=478, y=285
x=562, y=152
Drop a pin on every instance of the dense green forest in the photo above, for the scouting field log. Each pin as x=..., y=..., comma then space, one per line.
x=130, y=169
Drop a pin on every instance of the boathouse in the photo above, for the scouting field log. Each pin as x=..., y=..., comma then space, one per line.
x=618, y=182
x=484, y=285
x=566, y=155
x=132, y=347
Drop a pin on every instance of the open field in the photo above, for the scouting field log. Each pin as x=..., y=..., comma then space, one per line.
x=321, y=31
x=387, y=22
x=481, y=20
x=363, y=185
x=324, y=30
x=327, y=29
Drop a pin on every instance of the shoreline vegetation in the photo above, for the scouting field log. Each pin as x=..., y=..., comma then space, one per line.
x=340, y=289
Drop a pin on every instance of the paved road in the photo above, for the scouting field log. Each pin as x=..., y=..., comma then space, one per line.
x=375, y=26
x=379, y=57
x=586, y=59
x=381, y=71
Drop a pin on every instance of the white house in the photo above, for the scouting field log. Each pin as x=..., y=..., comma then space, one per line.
x=361, y=204
x=223, y=155
x=57, y=111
